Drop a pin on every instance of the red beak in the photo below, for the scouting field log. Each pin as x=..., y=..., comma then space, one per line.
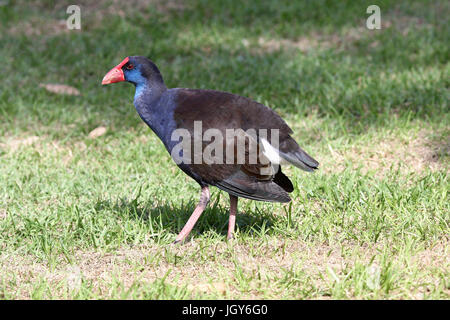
x=115, y=74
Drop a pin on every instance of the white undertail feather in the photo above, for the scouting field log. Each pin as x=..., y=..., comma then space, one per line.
x=271, y=153
x=276, y=157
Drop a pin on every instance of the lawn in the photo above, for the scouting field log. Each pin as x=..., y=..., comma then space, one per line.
x=90, y=214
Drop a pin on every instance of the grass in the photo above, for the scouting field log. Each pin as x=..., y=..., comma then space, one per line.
x=84, y=218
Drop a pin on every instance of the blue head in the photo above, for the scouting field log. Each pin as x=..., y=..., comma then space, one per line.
x=138, y=70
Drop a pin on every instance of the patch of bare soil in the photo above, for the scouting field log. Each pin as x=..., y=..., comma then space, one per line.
x=345, y=38
x=403, y=23
x=199, y=273
x=303, y=44
x=210, y=270
x=102, y=9
x=314, y=40
x=414, y=153
x=435, y=257
x=92, y=14
x=38, y=26
x=117, y=7
x=14, y=144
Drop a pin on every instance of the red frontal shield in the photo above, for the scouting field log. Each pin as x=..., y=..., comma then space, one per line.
x=115, y=74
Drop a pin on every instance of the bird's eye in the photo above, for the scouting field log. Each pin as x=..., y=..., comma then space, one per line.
x=130, y=66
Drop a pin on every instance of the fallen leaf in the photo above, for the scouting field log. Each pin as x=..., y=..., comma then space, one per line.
x=60, y=89
x=97, y=132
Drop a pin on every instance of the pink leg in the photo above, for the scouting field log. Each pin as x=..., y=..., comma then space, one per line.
x=204, y=199
x=232, y=221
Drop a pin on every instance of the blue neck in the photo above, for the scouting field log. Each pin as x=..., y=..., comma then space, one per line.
x=156, y=107
x=140, y=88
x=146, y=97
x=148, y=90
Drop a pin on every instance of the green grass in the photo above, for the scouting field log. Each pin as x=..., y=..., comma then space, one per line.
x=85, y=218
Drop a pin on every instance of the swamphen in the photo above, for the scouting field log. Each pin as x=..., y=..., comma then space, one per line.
x=167, y=110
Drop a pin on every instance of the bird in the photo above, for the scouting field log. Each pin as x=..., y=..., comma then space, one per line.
x=173, y=112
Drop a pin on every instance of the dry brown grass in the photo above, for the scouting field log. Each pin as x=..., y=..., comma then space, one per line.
x=14, y=143
x=414, y=152
x=211, y=271
x=38, y=26
x=92, y=14
x=345, y=39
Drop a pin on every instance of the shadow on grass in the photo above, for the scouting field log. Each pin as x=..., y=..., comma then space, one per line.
x=170, y=218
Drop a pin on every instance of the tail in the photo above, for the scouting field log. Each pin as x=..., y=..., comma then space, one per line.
x=292, y=153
